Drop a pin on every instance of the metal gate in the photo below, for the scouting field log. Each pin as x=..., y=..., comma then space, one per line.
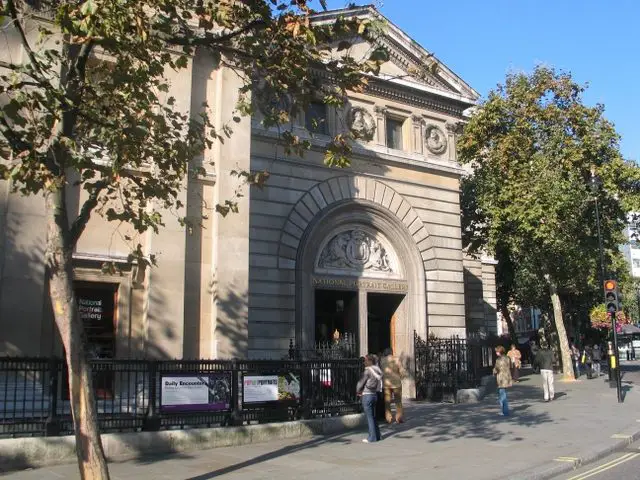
x=445, y=365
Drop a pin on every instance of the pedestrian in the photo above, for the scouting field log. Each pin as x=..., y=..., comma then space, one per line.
x=502, y=371
x=392, y=374
x=544, y=361
x=516, y=362
x=575, y=356
x=380, y=399
x=587, y=361
x=534, y=351
x=367, y=388
x=596, y=355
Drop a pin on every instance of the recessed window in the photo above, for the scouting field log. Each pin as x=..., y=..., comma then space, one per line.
x=394, y=133
x=316, y=118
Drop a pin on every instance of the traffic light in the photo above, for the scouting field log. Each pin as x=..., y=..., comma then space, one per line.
x=611, y=297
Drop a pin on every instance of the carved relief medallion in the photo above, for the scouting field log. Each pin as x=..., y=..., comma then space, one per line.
x=361, y=123
x=355, y=250
x=436, y=139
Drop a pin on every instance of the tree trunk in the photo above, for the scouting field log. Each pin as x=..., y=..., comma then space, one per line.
x=565, y=353
x=91, y=458
x=512, y=329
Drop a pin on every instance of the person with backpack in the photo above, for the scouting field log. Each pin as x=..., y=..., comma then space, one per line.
x=586, y=360
x=544, y=361
x=393, y=373
x=368, y=387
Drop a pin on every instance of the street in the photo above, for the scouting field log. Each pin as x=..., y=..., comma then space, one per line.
x=619, y=466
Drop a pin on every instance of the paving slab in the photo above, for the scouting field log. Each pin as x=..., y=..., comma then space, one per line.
x=441, y=441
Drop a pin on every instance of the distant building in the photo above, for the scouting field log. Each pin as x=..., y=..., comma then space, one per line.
x=631, y=249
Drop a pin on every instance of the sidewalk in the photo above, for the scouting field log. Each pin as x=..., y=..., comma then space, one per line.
x=441, y=441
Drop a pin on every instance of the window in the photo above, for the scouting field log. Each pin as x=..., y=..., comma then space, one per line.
x=394, y=133
x=316, y=118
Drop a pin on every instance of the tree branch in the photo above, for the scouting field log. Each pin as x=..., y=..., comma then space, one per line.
x=210, y=39
x=82, y=219
x=11, y=66
x=25, y=43
x=16, y=142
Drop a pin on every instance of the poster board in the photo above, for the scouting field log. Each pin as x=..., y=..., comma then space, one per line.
x=271, y=388
x=193, y=392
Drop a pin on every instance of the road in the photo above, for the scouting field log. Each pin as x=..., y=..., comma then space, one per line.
x=624, y=465
x=619, y=466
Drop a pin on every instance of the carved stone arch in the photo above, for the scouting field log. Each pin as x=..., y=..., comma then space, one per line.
x=340, y=189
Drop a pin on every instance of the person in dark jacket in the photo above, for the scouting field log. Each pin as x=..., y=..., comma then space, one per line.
x=368, y=387
x=544, y=361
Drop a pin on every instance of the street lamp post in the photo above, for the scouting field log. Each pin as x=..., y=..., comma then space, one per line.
x=613, y=359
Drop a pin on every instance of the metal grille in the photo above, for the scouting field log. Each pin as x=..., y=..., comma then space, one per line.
x=34, y=395
x=445, y=365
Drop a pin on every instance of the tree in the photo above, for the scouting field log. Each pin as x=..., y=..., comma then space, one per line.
x=91, y=108
x=532, y=146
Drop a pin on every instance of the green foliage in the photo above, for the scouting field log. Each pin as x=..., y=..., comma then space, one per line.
x=532, y=146
x=93, y=104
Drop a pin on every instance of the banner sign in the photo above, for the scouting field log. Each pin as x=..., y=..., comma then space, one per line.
x=270, y=388
x=189, y=392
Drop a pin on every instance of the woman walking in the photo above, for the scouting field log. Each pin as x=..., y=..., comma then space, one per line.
x=368, y=387
x=502, y=371
x=516, y=362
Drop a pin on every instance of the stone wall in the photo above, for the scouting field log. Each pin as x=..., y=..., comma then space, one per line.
x=433, y=196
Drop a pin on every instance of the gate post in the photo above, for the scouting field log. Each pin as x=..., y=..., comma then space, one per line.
x=52, y=424
x=152, y=420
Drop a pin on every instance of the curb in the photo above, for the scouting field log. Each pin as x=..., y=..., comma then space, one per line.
x=560, y=465
x=36, y=452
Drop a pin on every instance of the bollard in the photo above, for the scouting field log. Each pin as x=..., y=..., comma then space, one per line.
x=611, y=358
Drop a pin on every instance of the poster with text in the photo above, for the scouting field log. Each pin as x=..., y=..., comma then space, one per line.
x=188, y=392
x=260, y=388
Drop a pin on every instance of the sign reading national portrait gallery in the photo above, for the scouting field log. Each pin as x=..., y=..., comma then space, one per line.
x=210, y=392
x=360, y=284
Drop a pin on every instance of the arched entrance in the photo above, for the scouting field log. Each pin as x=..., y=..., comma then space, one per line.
x=358, y=270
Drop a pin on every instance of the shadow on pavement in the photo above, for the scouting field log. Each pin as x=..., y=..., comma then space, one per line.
x=315, y=442
x=435, y=423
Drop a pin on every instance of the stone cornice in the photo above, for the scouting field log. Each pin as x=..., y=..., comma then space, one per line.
x=374, y=153
x=416, y=97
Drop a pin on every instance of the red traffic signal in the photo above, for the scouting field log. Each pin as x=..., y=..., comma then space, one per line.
x=610, y=285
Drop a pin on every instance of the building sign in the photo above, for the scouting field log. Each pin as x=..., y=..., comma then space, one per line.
x=97, y=310
x=188, y=392
x=270, y=388
x=96, y=306
x=360, y=284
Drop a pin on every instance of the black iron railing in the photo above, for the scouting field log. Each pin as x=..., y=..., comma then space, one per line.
x=344, y=347
x=136, y=395
x=445, y=365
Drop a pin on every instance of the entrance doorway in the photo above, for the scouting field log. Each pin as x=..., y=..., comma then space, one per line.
x=381, y=321
x=335, y=310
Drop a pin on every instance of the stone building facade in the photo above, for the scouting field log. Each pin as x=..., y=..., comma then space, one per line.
x=373, y=250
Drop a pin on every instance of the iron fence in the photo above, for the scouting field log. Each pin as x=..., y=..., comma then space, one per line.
x=137, y=395
x=343, y=347
x=445, y=365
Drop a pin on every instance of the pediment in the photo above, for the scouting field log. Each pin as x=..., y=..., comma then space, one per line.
x=409, y=64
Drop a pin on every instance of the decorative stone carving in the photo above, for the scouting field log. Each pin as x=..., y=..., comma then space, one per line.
x=436, y=139
x=362, y=124
x=456, y=127
x=271, y=102
x=355, y=250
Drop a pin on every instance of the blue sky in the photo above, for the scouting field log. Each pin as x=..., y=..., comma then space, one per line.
x=598, y=42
